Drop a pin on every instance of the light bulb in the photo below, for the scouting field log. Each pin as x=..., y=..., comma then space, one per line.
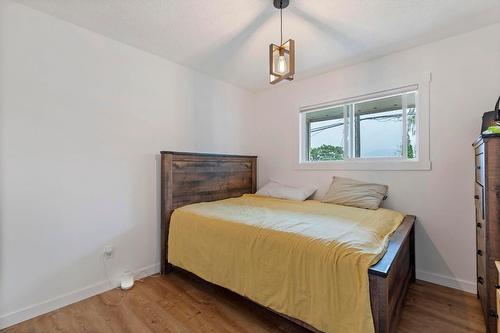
x=282, y=65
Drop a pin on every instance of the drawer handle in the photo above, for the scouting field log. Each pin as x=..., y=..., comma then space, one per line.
x=476, y=197
x=480, y=280
x=478, y=225
x=479, y=252
x=492, y=313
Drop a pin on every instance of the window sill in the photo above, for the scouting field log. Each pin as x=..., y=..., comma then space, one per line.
x=366, y=165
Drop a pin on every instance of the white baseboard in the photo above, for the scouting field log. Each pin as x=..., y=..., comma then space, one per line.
x=447, y=281
x=55, y=303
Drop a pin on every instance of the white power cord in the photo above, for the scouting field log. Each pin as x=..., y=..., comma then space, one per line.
x=104, y=260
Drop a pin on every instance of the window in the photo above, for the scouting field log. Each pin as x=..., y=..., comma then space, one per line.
x=382, y=126
x=326, y=134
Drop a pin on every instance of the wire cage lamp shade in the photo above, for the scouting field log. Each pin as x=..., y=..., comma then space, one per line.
x=282, y=62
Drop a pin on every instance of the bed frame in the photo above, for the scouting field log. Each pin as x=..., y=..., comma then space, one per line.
x=188, y=178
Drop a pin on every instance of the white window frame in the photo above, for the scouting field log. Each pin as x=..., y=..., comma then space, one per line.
x=421, y=162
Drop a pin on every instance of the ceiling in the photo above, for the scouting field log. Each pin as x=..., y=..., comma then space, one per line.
x=229, y=39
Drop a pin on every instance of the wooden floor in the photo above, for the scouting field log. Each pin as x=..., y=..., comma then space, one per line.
x=180, y=303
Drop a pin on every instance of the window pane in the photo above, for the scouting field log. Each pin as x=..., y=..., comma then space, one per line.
x=378, y=128
x=411, y=113
x=383, y=127
x=326, y=134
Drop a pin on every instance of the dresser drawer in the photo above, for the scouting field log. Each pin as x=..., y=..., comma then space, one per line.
x=479, y=202
x=481, y=267
x=479, y=149
x=481, y=237
x=481, y=293
x=480, y=169
x=479, y=163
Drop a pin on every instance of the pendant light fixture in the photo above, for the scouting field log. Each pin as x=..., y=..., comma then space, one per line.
x=282, y=56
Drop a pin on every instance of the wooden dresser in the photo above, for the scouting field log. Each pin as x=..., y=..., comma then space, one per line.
x=487, y=199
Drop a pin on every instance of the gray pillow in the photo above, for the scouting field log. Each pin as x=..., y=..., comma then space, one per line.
x=350, y=192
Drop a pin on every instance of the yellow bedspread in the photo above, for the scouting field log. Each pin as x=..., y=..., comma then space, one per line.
x=308, y=260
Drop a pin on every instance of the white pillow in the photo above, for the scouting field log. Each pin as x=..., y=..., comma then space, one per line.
x=282, y=191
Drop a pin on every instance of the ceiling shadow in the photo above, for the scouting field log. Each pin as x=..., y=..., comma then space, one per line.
x=326, y=29
x=224, y=53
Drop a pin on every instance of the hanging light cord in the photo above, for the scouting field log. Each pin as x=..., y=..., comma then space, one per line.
x=281, y=23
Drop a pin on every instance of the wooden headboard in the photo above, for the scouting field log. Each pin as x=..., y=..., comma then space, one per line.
x=188, y=178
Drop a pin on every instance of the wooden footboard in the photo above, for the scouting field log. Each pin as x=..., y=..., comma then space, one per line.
x=188, y=178
x=391, y=277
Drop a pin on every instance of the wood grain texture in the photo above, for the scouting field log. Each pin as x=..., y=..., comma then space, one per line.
x=487, y=199
x=188, y=178
x=390, y=278
x=180, y=303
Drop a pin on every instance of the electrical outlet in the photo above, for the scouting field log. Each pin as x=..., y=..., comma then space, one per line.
x=109, y=252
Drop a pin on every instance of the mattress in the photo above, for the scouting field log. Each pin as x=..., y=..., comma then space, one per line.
x=308, y=260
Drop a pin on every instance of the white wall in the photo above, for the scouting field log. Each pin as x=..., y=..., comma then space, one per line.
x=82, y=120
x=465, y=83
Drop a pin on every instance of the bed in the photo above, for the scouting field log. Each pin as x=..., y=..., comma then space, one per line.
x=188, y=178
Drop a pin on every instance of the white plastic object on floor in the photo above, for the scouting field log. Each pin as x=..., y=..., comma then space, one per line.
x=127, y=281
